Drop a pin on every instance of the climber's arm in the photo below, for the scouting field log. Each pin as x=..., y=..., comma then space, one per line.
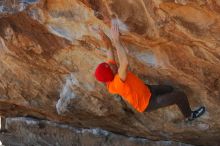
x=108, y=45
x=122, y=56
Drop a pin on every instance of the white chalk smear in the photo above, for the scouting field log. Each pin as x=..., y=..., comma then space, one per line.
x=67, y=94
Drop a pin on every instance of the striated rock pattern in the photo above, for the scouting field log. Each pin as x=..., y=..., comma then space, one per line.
x=46, y=133
x=48, y=53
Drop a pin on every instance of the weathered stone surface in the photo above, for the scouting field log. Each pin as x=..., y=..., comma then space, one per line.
x=46, y=133
x=48, y=53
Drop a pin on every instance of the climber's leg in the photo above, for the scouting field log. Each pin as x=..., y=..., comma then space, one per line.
x=160, y=89
x=171, y=98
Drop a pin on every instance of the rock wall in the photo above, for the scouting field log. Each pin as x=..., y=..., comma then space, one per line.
x=47, y=133
x=48, y=53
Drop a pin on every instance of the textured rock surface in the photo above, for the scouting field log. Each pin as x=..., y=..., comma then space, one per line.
x=45, y=133
x=48, y=53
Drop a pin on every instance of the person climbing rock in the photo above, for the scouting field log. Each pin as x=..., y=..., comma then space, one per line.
x=142, y=97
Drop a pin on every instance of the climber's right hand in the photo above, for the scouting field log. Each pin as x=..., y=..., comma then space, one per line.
x=106, y=40
x=115, y=32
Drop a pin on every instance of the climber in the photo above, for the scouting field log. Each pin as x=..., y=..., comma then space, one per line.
x=142, y=97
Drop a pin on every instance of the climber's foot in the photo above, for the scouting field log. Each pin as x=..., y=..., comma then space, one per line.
x=197, y=113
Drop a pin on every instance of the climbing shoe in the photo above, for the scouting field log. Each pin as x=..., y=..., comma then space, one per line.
x=197, y=113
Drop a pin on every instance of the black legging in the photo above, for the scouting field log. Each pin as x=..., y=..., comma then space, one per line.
x=164, y=95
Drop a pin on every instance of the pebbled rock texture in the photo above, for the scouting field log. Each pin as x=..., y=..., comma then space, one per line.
x=48, y=53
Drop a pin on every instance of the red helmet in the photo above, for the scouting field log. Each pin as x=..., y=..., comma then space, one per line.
x=104, y=73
